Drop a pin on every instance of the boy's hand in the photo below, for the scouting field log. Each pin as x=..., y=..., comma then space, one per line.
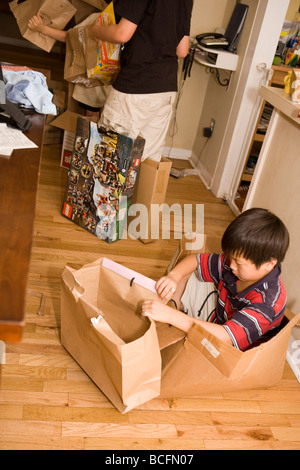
x=36, y=23
x=157, y=311
x=166, y=286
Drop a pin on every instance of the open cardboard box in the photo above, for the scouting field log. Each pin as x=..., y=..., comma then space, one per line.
x=182, y=365
x=67, y=121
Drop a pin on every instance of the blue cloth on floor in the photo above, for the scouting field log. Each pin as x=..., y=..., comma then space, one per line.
x=29, y=88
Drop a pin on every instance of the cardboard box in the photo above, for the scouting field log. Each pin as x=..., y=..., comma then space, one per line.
x=54, y=135
x=67, y=122
x=101, y=180
x=196, y=363
x=151, y=189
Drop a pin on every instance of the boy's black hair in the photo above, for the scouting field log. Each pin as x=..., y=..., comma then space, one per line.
x=257, y=235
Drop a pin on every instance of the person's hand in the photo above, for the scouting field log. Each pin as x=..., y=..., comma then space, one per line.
x=166, y=286
x=93, y=32
x=157, y=311
x=36, y=23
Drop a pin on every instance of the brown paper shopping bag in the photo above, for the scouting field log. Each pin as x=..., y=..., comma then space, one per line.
x=76, y=49
x=102, y=329
x=206, y=365
x=55, y=13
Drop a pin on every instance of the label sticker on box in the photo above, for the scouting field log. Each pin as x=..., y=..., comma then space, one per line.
x=210, y=347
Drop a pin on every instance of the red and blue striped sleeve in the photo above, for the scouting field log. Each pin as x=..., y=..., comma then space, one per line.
x=259, y=317
x=209, y=267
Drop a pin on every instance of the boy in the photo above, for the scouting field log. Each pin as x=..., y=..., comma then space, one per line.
x=251, y=298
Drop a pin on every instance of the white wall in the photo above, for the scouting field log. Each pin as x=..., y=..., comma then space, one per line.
x=206, y=17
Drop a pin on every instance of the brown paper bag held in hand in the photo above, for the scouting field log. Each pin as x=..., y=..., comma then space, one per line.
x=55, y=13
x=76, y=49
x=101, y=327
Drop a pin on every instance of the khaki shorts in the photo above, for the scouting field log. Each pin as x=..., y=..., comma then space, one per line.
x=147, y=115
x=199, y=296
x=95, y=96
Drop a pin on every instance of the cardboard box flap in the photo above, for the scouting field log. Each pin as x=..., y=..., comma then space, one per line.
x=168, y=335
x=195, y=243
x=68, y=121
x=221, y=355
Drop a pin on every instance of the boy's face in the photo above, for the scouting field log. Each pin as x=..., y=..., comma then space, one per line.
x=246, y=271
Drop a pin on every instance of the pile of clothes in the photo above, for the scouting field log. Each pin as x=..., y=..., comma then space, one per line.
x=29, y=89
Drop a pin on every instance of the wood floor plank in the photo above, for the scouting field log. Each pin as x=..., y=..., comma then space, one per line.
x=170, y=417
x=28, y=397
x=250, y=419
x=17, y=429
x=78, y=415
x=215, y=444
x=114, y=443
x=134, y=431
x=205, y=404
x=286, y=434
x=40, y=442
x=224, y=432
x=283, y=407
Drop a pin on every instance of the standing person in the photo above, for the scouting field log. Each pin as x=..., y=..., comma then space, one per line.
x=155, y=34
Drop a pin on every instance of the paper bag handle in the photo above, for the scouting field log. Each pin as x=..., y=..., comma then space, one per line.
x=70, y=281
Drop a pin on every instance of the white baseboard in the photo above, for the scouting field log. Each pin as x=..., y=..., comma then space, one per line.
x=183, y=154
x=180, y=154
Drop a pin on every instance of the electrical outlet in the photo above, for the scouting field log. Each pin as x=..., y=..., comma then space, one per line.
x=208, y=131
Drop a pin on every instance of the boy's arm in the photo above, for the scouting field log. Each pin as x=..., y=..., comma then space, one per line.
x=167, y=285
x=36, y=24
x=157, y=311
x=115, y=33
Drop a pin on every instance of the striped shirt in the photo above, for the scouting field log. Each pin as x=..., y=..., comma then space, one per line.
x=250, y=316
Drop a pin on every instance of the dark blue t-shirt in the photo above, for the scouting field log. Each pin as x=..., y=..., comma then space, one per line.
x=149, y=62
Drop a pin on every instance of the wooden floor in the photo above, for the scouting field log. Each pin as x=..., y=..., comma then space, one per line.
x=48, y=402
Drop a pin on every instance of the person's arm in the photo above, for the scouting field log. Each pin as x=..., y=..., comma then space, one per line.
x=183, y=47
x=36, y=24
x=115, y=33
x=159, y=312
x=167, y=285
